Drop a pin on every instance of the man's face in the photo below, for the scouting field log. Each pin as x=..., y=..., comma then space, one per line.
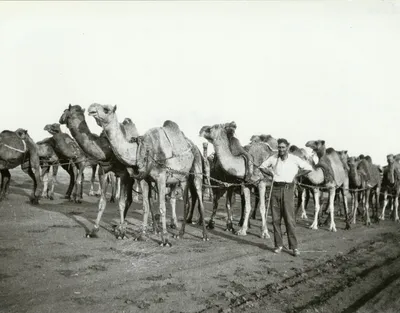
x=282, y=149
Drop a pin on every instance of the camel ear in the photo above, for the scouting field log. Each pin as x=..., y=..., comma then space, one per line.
x=322, y=142
x=345, y=152
x=70, y=106
x=115, y=108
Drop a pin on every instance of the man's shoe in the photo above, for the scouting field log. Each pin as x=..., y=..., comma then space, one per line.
x=296, y=252
x=278, y=250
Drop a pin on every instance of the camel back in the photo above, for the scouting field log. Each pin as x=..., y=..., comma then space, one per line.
x=67, y=146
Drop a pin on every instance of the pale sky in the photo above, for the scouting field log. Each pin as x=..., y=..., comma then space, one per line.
x=301, y=70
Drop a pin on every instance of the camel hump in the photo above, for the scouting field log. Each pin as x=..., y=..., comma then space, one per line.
x=337, y=167
x=172, y=126
x=176, y=138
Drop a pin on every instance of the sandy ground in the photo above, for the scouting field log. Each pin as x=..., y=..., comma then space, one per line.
x=47, y=264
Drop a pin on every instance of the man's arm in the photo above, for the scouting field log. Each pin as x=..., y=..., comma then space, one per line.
x=304, y=167
x=266, y=167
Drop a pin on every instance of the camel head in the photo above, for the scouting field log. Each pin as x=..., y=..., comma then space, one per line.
x=22, y=133
x=72, y=111
x=255, y=139
x=217, y=131
x=318, y=146
x=102, y=113
x=352, y=162
x=53, y=128
x=127, y=121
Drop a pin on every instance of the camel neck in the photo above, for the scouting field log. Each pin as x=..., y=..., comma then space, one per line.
x=88, y=142
x=233, y=165
x=354, y=175
x=124, y=150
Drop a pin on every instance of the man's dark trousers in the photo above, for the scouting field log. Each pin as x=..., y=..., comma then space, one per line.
x=282, y=203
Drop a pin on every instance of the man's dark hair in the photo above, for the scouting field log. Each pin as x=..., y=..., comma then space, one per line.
x=283, y=140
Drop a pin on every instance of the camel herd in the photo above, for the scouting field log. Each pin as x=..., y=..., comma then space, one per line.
x=164, y=158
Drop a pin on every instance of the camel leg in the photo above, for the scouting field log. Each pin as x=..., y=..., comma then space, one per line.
x=385, y=202
x=314, y=225
x=45, y=171
x=354, y=204
x=78, y=189
x=53, y=181
x=345, y=194
x=193, y=204
x=5, y=181
x=117, y=188
x=35, y=176
x=228, y=206
x=92, y=179
x=146, y=193
x=264, y=213
x=218, y=194
x=161, y=186
x=242, y=231
x=377, y=204
x=124, y=202
x=112, y=180
x=68, y=168
x=396, y=206
x=198, y=183
x=305, y=197
x=366, y=207
x=256, y=205
x=136, y=192
x=332, y=193
x=185, y=209
x=102, y=205
x=172, y=202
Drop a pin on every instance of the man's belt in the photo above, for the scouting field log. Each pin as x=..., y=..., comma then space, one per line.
x=283, y=184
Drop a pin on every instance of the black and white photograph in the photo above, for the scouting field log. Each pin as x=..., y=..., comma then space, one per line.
x=200, y=156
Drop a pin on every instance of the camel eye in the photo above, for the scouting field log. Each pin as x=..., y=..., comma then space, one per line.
x=106, y=110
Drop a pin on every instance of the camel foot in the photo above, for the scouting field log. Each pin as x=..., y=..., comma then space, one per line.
x=205, y=238
x=112, y=200
x=173, y=225
x=189, y=221
x=240, y=224
x=397, y=220
x=348, y=227
x=166, y=243
x=91, y=193
x=304, y=216
x=120, y=232
x=199, y=222
x=229, y=226
x=211, y=224
x=241, y=232
x=265, y=234
x=93, y=233
x=78, y=201
x=34, y=201
x=368, y=222
x=314, y=226
x=67, y=197
x=332, y=228
x=142, y=237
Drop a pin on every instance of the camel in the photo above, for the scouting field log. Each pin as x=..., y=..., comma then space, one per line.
x=70, y=153
x=234, y=170
x=329, y=173
x=18, y=148
x=48, y=159
x=98, y=148
x=391, y=185
x=163, y=155
x=364, y=176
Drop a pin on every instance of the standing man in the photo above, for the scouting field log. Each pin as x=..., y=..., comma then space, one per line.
x=283, y=168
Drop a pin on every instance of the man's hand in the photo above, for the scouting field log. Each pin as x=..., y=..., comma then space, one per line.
x=267, y=172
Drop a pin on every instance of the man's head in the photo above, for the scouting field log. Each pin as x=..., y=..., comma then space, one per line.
x=390, y=158
x=283, y=147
